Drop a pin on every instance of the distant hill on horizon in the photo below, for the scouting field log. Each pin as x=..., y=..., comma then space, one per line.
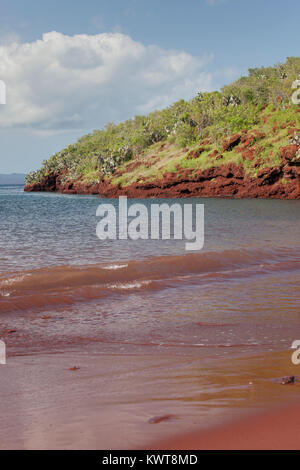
x=13, y=178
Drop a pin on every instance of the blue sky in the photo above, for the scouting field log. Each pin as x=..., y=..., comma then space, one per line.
x=60, y=86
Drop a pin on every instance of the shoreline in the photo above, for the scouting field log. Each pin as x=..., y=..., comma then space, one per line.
x=225, y=181
x=274, y=429
x=71, y=400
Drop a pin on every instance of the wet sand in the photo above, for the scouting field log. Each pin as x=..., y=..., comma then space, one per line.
x=130, y=401
x=276, y=429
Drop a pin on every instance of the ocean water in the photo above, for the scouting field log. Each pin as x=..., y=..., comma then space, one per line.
x=237, y=301
x=48, y=229
x=152, y=291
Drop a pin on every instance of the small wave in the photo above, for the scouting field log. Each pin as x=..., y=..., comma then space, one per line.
x=5, y=294
x=69, y=284
x=130, y=285
x=115, y=266
x=12, y=280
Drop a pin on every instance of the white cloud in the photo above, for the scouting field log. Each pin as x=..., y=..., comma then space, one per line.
x=66, y=82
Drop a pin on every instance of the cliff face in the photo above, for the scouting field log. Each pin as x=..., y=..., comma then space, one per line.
x=230, y=179
x=282, y=182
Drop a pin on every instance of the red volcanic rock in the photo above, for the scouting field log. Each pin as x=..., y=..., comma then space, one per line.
x=288, y=152
x=292, y=131
x=195, y=153
x=269, y=175
x=256, y=164
x=246, y=140
x=228, y=180
x=233, y=141
x=291, y=172
x=258, y=135
x=213, y=154
x=230, y=170
x=249, y=154
x=49, y=183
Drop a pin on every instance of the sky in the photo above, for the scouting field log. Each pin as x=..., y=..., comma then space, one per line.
x=72, y=66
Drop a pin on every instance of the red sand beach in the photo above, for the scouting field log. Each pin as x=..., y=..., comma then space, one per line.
x=273, y=430
x=111, y=401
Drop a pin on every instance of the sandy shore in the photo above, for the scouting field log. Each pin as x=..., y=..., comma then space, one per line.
x=112, y=402
x=107, y=403
x=273, y=430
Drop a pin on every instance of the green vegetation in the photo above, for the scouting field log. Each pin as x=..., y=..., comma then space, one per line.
x=147, y=146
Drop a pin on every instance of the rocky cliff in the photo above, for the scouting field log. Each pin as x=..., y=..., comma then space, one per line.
x=242, y=141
